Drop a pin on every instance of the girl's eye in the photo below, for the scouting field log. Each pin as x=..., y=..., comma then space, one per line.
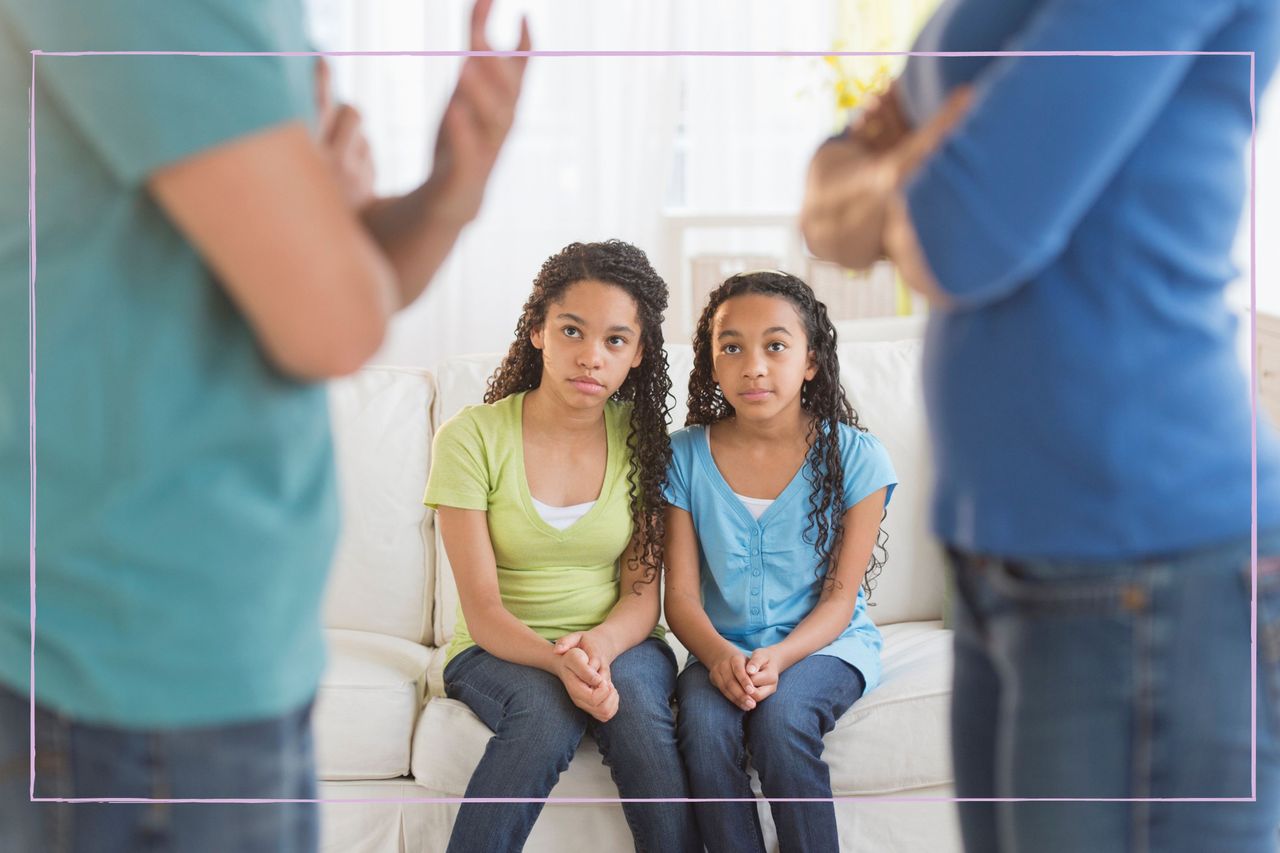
x=731, y=349
x=777, y=346
x=571, y=332
x=617, y=341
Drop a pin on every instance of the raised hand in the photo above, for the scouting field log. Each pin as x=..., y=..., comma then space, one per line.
x=882, y=124
x=476, y=123
x=854, y=178
x=918, y=144
x=341, y=137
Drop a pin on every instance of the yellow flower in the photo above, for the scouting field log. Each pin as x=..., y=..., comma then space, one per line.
x=870, y=25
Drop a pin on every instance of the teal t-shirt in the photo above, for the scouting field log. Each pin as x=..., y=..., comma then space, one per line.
x=185, y=498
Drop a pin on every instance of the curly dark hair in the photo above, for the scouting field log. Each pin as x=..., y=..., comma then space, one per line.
x=647, y=387
x=821, y=397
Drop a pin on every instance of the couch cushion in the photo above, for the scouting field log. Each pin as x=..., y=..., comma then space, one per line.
x=460, y=381
x=895, y=739
x=449, y=741
x=435, y=673
x=882, y=381
x=382, y=578
x=368, y=700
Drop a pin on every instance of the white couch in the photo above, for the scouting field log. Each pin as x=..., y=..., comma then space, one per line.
x=389, y=742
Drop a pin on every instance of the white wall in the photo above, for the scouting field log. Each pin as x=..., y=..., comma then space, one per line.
x=1267, y=202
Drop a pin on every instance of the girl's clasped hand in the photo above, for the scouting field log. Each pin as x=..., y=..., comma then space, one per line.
x=584, y=670
x=745, y=681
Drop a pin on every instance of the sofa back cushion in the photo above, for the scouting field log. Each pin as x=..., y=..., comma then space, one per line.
x=882, y=381
x=882, y=378
x=460, y=381
x=384, y=569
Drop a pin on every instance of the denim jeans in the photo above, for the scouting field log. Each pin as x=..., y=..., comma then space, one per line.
x=783, y=735
x=537, y=729
x=1117, y=680
x=267, y=759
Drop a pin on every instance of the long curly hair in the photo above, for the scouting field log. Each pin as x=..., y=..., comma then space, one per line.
x=822, y=398
x=647, y=386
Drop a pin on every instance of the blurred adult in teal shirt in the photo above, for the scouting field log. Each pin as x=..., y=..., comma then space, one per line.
x=202, y=267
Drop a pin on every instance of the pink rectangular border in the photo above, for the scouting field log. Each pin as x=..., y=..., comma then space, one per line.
x=1253, y=401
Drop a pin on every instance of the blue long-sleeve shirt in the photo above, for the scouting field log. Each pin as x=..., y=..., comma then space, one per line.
x=1085, y=394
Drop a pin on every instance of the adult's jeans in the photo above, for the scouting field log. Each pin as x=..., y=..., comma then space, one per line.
x=537, y=729
x=1126, y=680
x=781, y=737
x=267, y=759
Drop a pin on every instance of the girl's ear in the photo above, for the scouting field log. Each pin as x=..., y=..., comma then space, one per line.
x=536, y=335
x=811, y=369
x=635, y=362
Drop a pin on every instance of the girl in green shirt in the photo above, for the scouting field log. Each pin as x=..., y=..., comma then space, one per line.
x=549, y=504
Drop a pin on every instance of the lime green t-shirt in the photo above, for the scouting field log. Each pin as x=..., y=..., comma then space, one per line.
x=554, y=581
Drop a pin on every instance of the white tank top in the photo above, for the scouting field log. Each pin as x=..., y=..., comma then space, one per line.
x=561, y=517
x=755, y=506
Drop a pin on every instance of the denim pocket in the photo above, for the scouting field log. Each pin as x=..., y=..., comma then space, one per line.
x=1054, y=590
x=1269, y=634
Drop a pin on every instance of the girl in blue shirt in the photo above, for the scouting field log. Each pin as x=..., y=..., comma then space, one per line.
x=772, y=536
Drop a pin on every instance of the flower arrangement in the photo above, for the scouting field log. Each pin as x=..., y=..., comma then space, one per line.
x=854, y=78
x=863, y=64
x=863, y=61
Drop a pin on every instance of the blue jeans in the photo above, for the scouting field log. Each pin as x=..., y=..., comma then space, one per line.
x=1118, y=680
x=268, y=759
x=537, y=729
x=784, y=736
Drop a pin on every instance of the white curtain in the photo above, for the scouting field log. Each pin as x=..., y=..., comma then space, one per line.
x=589, y=157
x=1267, y=199
x=620, y=147
x=602, y=147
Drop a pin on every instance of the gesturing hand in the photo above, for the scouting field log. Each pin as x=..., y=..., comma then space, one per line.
x=476, y=122
x=343, y=142
x=854, y=178
x=882, y=124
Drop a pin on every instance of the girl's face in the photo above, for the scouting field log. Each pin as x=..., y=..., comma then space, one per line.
x=760, y=355
x=590, y=340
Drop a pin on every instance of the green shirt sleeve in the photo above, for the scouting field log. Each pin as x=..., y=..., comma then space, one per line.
x=460, y=475
x=141, y=112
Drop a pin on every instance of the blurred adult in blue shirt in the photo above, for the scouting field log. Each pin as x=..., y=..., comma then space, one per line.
x=1071, y=220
